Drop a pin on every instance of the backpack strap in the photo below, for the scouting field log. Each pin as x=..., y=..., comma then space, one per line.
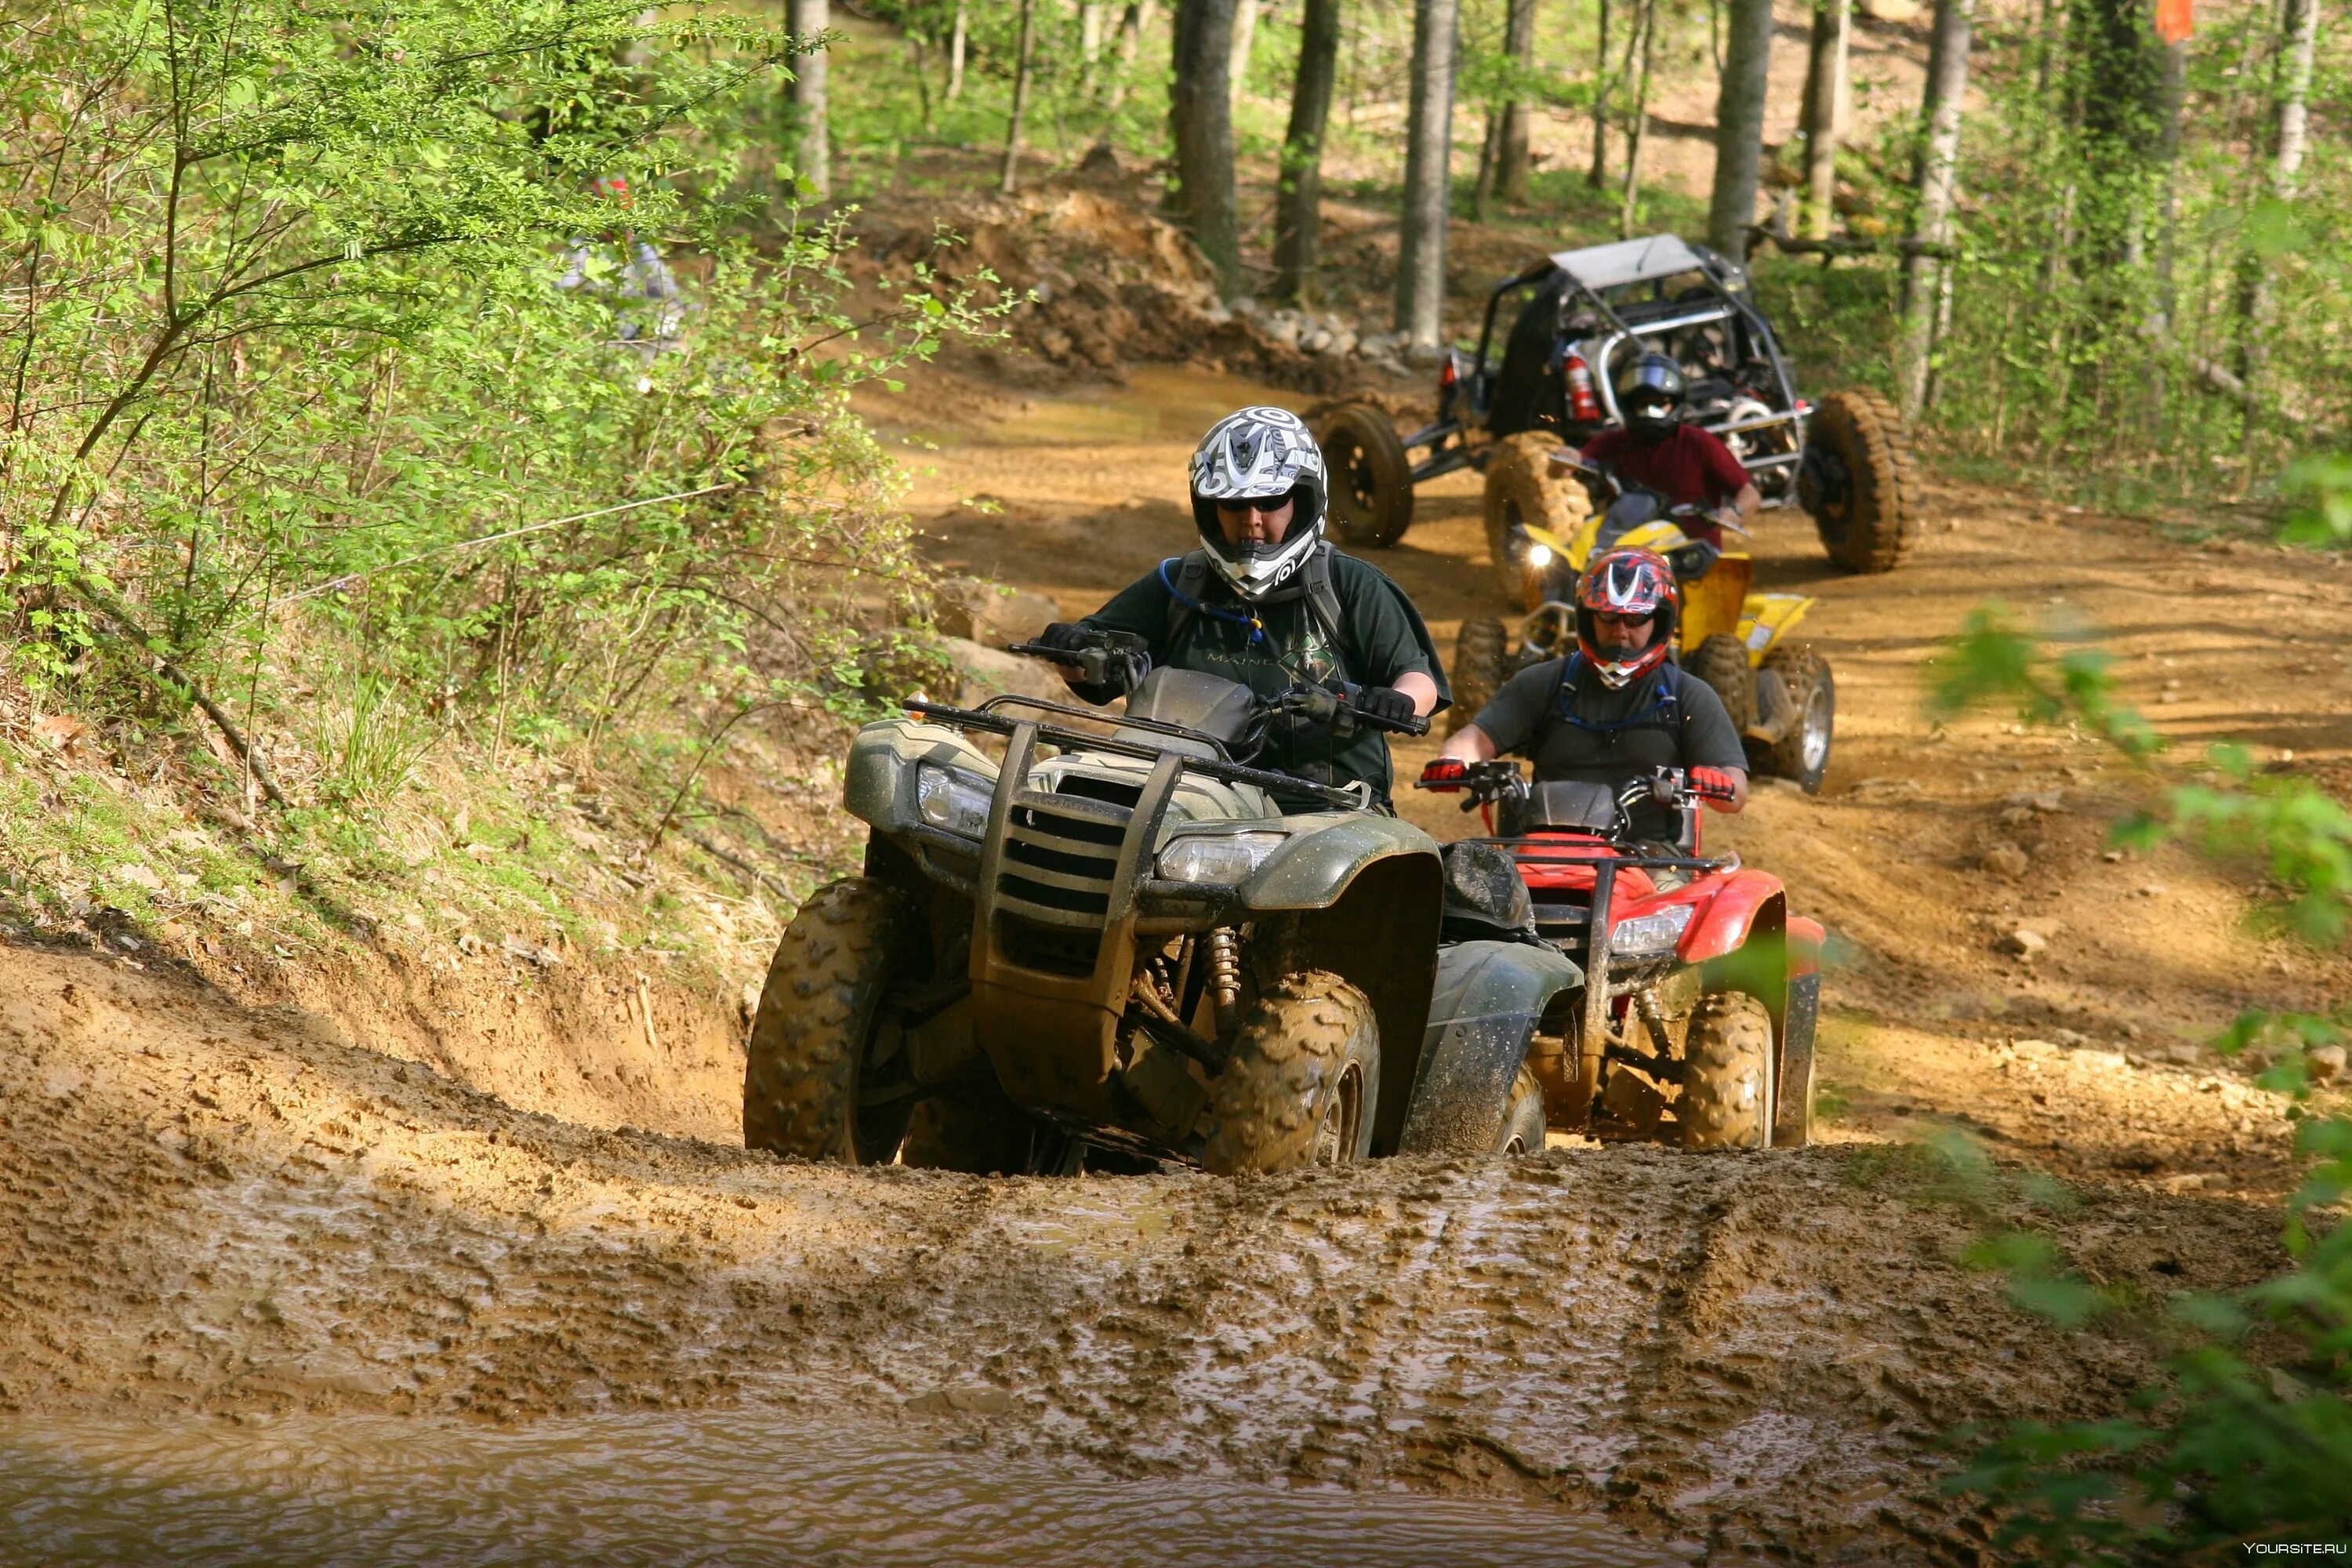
x=1188, y=577
x=1665, y=710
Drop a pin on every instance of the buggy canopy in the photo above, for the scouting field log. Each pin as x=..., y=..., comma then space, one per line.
x=1599, y=266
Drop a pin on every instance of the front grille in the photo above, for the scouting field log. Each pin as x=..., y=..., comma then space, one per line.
x=1060, y=860
x=1049, y=949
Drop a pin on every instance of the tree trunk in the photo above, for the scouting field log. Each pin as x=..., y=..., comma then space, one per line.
x=2298, y=43
x=1428, y=158
x=956, y=40
x=1510, y=177
x=1644, y=41
x=1825, y=114
x=1298, y=198
x=1091, y=14
x=1012, y=180
x=1200, y=114
x=1740, y=126
x=1597, y=176
x=1244, y=35
x=1934, y=177
x=918, y=60
x=807, y=18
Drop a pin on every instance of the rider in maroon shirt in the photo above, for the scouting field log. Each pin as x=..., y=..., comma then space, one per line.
x=1688, y=465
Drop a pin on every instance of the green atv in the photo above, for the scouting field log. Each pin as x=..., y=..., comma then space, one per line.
x=1086, y=941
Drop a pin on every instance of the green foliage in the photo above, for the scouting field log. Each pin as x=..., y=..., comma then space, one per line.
x=2250, y=1437
x=342, y=338
x=2318, y=492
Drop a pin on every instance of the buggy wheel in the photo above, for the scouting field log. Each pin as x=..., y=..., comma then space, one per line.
x=1371, y=476
x=1523, y=1122
x=1482, y=655
x=1721, y=661
x=1301, y=1085
x=1860, y=481
x=1520, y=492
x=824, y=1054
x=1803, y=753
x=1726, y=1098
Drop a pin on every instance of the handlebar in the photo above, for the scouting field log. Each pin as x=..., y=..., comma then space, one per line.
x=1321, y=705
x=1109, y=658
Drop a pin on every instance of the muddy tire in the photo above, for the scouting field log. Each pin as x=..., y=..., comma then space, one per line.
x=1521, y=491
x=1803, y=753
x=819, y=1024
x=1371, y=476
x=975, y=1128
x=1860, y=481
x=1726, y=1098
x=1303, y=1082
x=1481, y=658
x=1721, y=661
x=1523, y=1119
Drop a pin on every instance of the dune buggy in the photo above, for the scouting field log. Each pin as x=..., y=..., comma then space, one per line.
x=1083, y=939
x=1695, y=1019
x=1847, y=460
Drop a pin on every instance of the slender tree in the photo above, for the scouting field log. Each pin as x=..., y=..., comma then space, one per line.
x=1245, y=38
x=1740, y=126
x=1825, y=111
x=1597, y=176
x=957, y=35
x=1511, y=144
x=1644, y=43
x=1935, y=175
x=1429, y=149
x=1011, y=182
x=1201, y=117
x=811, y=154
x=2298, y=46
x=1298, y=198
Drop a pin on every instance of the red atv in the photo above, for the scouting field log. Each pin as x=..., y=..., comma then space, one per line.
x=1696, y=1020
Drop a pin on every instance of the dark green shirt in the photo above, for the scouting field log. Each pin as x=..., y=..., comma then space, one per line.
x=1381, y=639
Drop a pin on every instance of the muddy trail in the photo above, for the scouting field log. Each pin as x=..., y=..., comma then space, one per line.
x=217, y=1221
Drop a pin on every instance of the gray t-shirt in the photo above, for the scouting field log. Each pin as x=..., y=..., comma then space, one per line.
x=1563, y=719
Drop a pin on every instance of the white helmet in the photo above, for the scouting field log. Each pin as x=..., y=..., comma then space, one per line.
x=1255, y=454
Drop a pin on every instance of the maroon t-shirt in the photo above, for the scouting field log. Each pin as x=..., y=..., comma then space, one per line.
x=1690, y=468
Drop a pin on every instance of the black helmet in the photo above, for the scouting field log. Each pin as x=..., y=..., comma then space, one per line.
x=1650, y=393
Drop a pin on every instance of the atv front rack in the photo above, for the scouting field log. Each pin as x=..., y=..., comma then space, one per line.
x=1216, y=767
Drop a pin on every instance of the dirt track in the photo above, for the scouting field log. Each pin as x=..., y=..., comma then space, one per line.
x=208, y=1210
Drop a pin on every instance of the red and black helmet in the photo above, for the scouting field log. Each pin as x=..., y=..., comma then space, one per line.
x=1628, y=583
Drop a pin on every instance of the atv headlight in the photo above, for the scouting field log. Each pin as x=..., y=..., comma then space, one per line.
x=1649, y=935
x=957, y=802
x=1222, y=858
x=1538, y=556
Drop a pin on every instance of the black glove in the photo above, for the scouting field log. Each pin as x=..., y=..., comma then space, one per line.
x=1383, y=704
x=1068, y=636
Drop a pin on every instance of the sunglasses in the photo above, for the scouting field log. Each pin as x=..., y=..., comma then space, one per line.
x=1266, y=504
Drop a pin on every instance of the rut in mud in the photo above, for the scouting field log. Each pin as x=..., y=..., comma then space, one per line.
x=208, y=1210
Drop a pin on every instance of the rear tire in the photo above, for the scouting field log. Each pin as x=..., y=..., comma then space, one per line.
x=1481, y=664
x=1803, y=753
x=1303, y=1081
x=1721, y=661
x=1523, y=1122
x=821, y=1024
x=1520, y=492
x=1726, y=1098
x=1371, y=476
x=975, y=1128
x=1862, y=486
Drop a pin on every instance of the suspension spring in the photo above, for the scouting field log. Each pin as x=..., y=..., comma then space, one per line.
x=1225, y=975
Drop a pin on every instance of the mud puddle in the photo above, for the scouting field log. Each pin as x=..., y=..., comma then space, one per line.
x=719, y=1487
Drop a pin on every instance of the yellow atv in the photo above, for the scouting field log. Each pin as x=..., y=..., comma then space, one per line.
x=1778, y=691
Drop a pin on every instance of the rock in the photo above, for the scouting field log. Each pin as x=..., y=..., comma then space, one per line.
x=2324, y=1063
x=990, y=612
x=2150, y=890
x=1343, y=341
x=1318, y=341
x=2044, y=801
x=2005, y=860
x=531, y=952
x=2072, y=1039
x=988, y=672
x=2025, y=942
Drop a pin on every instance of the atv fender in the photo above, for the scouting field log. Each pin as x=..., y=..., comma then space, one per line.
x=1324, y=857
x=878, y=782
x=1766, y=618
x=1792, y=1119
x=1747, y=900
x=1489, y=996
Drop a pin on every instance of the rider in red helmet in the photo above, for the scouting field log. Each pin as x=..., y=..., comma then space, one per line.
x=1619, y=706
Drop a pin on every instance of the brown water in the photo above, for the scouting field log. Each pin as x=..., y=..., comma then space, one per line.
x=718, y=1487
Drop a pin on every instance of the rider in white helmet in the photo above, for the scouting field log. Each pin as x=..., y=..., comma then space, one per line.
x=1266, y=601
